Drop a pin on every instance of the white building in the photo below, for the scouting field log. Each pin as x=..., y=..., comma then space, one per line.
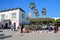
x=15, y=15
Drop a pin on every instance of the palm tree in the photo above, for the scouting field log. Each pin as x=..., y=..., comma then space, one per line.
x=33, y=7
x=43, y=11
x=36, y=12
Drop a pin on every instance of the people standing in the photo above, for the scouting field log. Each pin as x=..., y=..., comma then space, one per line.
x=14, y=26
x=19, y=28
x=43, y=28
x=2, y=26
x=49, y=28
x=56, y=28
x=22, y=26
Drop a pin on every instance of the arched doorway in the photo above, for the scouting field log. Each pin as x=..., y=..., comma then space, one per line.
x=2, y=26
x=6, y=26
x=14, y=26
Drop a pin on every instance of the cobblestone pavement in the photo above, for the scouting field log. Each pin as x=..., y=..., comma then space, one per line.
x=6, y=34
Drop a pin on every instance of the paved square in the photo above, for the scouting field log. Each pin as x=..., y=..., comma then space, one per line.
x=6, y=34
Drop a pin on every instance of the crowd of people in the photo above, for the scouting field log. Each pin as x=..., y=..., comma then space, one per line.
x=49, y=28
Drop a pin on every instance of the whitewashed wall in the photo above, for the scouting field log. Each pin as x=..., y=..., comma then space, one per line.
x=9, y=16
x=18, y=16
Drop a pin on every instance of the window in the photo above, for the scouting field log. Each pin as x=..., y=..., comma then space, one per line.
x=13, y=15
x=23, y=16
x=2, y=17
x=6, y=16
x=26, y=18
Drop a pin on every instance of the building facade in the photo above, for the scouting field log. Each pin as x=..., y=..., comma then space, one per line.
x=13, y=16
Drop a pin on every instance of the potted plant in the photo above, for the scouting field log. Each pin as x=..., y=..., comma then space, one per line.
x=26, y=28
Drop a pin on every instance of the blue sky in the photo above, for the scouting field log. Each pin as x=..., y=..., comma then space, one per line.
x=52, y=6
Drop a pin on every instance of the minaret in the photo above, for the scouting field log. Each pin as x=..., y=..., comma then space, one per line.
x=30, y=14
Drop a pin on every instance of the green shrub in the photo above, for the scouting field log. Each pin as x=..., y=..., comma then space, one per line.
x=31, y=26
x=26, y=26
x=40, y=26
x=35, y=26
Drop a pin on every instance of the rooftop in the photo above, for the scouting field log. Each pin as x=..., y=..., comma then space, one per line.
x=12, y=9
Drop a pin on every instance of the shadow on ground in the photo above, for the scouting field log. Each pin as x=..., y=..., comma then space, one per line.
x=2, y=36
x=1, y=31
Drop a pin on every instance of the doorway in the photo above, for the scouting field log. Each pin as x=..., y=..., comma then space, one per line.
x=6, y=26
